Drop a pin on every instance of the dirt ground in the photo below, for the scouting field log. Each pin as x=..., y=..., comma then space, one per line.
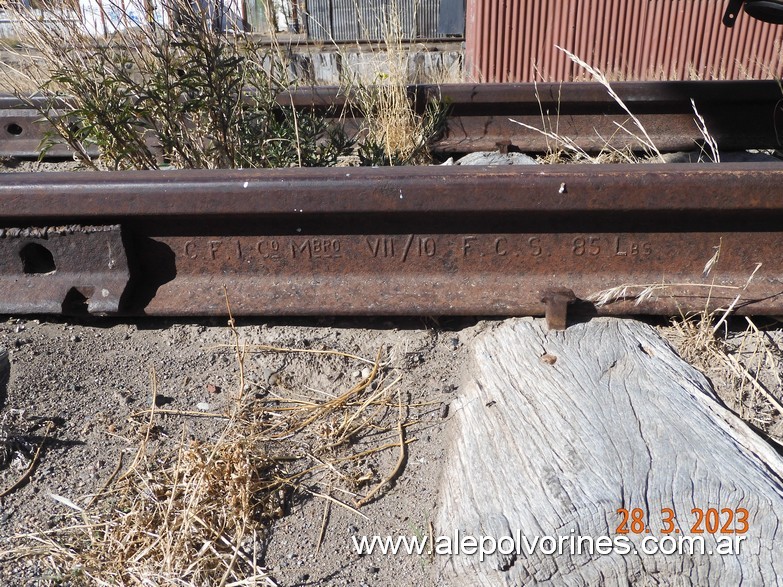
x=91, y=378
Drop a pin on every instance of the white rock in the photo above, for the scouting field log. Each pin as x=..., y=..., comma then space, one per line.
x=495, y=158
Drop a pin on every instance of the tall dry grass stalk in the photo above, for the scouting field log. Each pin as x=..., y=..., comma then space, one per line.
x=394, y=133
x=639, y=133
x=565, y=149
x=745, y=365
x=562, y=148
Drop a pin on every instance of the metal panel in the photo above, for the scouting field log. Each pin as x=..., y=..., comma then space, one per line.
x=426, y=14
x=69, y=269
x=319, y=20
x=345, y=26
x=371, y=18
x=517, y=40
x=352, y=20
x=406, y=15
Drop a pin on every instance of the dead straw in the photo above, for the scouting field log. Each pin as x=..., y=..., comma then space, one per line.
x=31, y=467
x=193, y=516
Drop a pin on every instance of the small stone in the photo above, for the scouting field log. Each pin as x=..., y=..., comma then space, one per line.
x=203, y=406
x=270, y=376
x=212, y=388
x=162, y=400
x=495, y=158
x=366, y=372
x=356, y=374
x=75, y=338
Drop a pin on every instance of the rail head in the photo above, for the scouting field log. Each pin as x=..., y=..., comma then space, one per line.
x=683, y=188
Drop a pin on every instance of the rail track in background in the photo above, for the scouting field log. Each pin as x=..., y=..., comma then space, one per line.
x=738, y=114
x=437, y=240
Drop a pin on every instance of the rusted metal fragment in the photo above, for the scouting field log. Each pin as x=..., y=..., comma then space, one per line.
x=745, y=114
x=468, y=273
x=21, y=134
x=636, y=239
x=66, y=269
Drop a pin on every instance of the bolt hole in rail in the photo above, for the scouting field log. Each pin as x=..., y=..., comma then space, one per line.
x=621, y=239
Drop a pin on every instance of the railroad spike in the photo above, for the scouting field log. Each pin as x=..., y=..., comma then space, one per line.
x=557, y=301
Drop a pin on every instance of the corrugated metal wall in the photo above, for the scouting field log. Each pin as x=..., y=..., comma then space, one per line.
x=353, y=20
x=514, y=40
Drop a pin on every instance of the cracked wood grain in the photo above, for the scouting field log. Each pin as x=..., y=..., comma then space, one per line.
x=557, y=430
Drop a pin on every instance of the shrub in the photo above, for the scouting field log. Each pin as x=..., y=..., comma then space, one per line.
x=179, y=89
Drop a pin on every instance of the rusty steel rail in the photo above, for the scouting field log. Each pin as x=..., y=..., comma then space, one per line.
x=738, y=114
x=22, y=129
x=396, y=241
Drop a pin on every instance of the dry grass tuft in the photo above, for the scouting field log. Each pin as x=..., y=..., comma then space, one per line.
x=563, y=149
x=710, y=147
x=745, y=366
x=394, y=132
x=741, y=364
x=196, y=512
x=20, y=448
x=188, y=520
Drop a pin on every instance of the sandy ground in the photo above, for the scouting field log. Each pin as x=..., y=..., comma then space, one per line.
x=91, y=378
